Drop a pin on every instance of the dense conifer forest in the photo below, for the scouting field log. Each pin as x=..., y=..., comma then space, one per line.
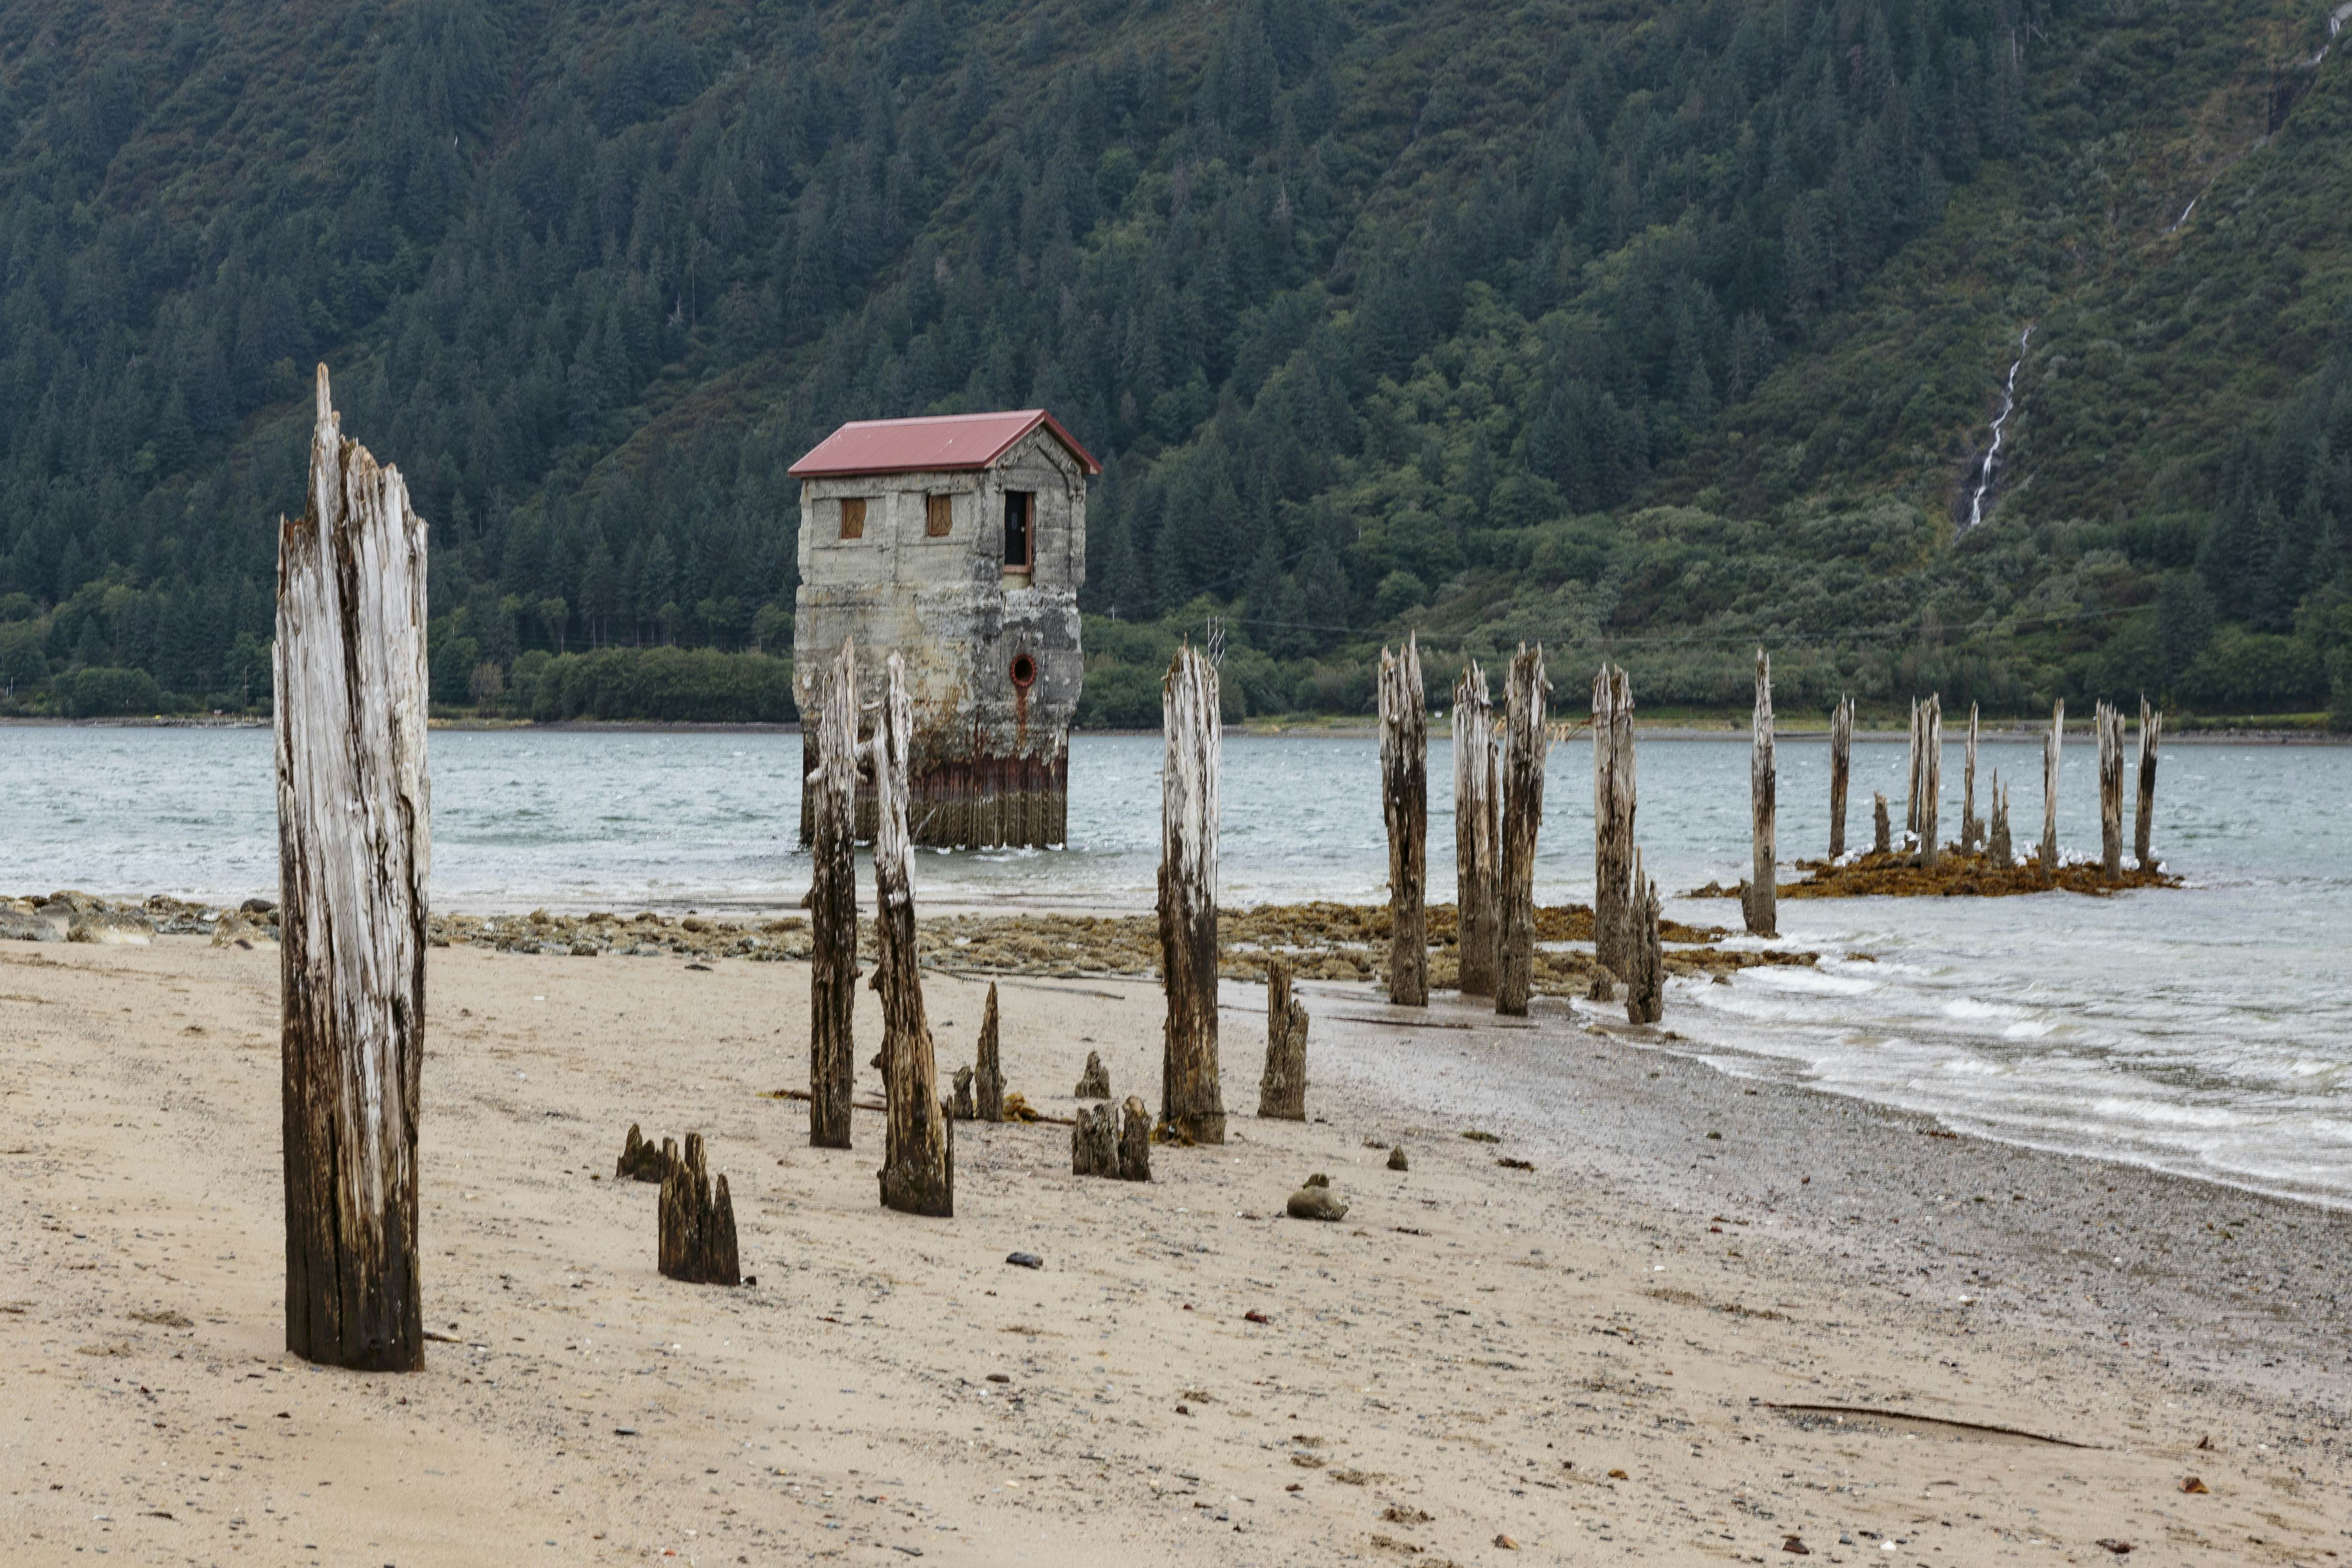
x=1660, y=328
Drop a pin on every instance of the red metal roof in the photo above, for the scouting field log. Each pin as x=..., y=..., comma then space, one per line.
x=950, y=441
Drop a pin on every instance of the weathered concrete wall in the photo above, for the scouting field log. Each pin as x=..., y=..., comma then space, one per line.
x=990, y=763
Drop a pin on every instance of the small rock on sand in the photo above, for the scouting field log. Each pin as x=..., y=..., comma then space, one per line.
x=1316, y=1200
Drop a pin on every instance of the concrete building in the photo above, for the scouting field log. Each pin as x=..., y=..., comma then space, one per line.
x=959, y=543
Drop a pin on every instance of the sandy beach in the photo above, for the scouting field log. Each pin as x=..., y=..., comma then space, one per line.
x=1716, y=1321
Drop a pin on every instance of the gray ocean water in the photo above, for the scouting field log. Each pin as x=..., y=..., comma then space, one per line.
x=2207, y=1031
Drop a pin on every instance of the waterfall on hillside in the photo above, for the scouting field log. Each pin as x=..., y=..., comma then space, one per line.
x=1992, y=453
x=2336, y=20
x=2184, y=214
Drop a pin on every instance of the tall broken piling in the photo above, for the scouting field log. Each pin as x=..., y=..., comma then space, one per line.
x=1931, y=779
x=2107, y=725
x=1527, y=737
x=1191, y=1105
x=354, y=855
x=1971, y=825
x=918, y=1149
x=1841, y=765
x=1477, y=835
x=1404, y=799
x=2049, y=747
x=1761, y=907
x=1613, y=804
x=2151, y=735
x=832, y=787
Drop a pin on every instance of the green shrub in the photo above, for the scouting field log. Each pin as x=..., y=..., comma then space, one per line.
x=108, y=693
x=695, y=686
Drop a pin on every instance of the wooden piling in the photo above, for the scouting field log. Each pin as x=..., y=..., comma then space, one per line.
x=1881, y=830
x=1998, y=846
x=1134, y=1141
x=1931, y=779
x=1404, y=798
x=1971, y=826
x=1191, y=1105
x=1527, y=737
x=1613, y=804
x=917, y=1172
x=354, y=853
x=1646, y=978
x=1094, y=1141
x=1761, y=905
x=2151, y=735
x=1282, y=1091
x=1911, y=767
x=988, y=1071
x=832, y=787
x=1841, y=764
x=1477, y=834
x=2050, y=748
x=2107, y=722
x=697, y=1241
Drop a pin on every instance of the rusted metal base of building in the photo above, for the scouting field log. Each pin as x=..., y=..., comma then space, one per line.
x=983, y=803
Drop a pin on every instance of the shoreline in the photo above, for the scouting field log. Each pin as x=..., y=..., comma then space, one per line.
x=1788, y=729
x=1658, y=1341
x=1321, y=941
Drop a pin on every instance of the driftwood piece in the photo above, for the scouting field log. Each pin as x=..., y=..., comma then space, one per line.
x=1646, y=976
x=1527, y=737
x=640, y=1160
x=961, y=1107
x=919, y=1147
x=2151, y=735
x=1841, y=765
x=1761, y=905
x=2107, y=723
x=1282, y=1091
x=1972, y=829
x=698, y=1219
x=2050, y=748
x=832, y=787
x=1093, y=1082
x=1613, y=805
x=354, y=855
x=1881, y=831
x=1931, y=781
x=1996, y=844
x=1134, y=1141
x=988, y=1070
x=1477, y=835
x=1192, y=1106
x=1404, y=802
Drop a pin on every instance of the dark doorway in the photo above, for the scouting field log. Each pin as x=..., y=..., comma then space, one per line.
x=1020, y=529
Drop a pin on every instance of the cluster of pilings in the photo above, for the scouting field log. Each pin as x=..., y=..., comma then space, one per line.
x=1988, y=837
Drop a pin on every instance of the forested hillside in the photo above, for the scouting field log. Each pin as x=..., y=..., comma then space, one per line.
x=1657, y=325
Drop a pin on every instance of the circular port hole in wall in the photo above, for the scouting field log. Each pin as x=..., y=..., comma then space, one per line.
x=1024, y=670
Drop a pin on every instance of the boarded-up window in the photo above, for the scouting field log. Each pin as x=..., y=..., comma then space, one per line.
x=938, y=511
x=853, y=517
x=1020, y=541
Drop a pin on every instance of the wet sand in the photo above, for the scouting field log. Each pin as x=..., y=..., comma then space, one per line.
x=1472, y=1356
